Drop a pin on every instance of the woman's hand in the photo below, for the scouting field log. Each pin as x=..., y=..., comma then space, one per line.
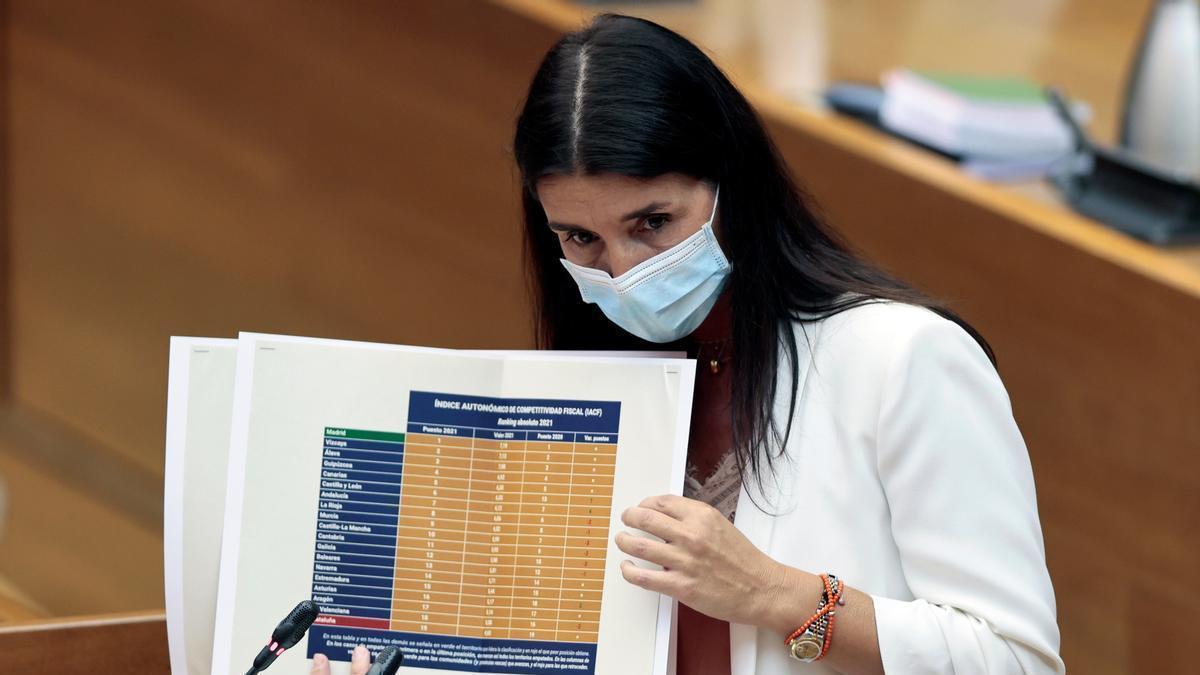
x=360, y=662
x=707, y=563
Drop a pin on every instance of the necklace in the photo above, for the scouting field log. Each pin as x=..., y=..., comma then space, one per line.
x=714, y=360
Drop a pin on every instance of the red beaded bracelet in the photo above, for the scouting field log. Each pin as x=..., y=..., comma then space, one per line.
x=810, y=642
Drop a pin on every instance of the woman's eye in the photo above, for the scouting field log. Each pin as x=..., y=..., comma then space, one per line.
x=581, y=238
x=657, y=222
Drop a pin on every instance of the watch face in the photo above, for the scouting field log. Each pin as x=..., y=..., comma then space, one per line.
x=806, y=648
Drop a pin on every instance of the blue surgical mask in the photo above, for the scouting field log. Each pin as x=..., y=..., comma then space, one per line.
x=665, y=297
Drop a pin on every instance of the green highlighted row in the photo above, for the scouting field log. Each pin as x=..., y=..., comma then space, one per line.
x=364, y=435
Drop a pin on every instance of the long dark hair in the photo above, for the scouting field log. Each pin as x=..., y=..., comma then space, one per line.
x=626, y=96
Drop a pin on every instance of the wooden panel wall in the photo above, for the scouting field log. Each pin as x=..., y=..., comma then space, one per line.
x=200, y=167
x=204, y=167
x=5, y=338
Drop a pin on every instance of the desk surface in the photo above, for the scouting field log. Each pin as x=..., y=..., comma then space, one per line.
x=1083, y=45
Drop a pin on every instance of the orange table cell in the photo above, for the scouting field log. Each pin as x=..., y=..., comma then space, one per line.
x=536, y=585
x=544, y=447
x=481, y=488
x=585, y=495
x=480, y=525
x=407, y=598
x=413, y=536
x=576, y=595
x=579, y=589
x=443, y=523
x=413, y=503
x=427, y=606
x=501, y=580
x=406, y=585
x=549, y=552
x=495, y=501
x=494, y=444
x=575, y=569
x=547, y=596
x=603, y=482
x=531, y=543
x=472, y=614
x=594, y=551
x=437, y=457
x=542, y=562
x=552, y=571
x=483, y=633
x=444, y=461
x=406, y=565
x=409, y=626
x=544, y=621
x=589, y=506
x=599, y=461
x=585, y=532
x=491, y=539
x=443, y=618
x=538, y=520
x=538, y=530
x=411, y=489
x=437, y=478
x=577, y=605
x=500, y=508
x=484, y=548
x=539, y=634
x=447, y=515
x=573, y=616
x=499, y=461
x=496, y=574
x=595, y=448
x=531, y=499
x=531, y=508
x=554, y=465
x=481, y=473
x=472, y=558
x=523, y=604
x=564, y=635
x=432, y=439
x=429, y=552
x=416, y=575
x=474, y=599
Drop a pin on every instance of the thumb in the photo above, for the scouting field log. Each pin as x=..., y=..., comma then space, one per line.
x=360, y=661
x=320, y=665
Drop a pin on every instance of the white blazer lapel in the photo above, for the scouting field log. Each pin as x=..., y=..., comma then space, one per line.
x=757, y=526
x=752, y=521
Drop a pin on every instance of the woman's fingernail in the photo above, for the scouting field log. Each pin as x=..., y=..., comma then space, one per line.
x=361, y=652
x=320, y=660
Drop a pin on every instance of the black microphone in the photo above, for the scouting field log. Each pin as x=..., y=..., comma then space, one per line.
x=387, y=662
x=286, y=635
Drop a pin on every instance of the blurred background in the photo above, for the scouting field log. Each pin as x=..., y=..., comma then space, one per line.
x=342, y=169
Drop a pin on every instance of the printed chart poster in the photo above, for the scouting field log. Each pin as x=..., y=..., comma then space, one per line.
x=458, y=505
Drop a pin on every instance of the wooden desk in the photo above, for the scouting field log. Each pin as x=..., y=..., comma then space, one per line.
x=110, y=643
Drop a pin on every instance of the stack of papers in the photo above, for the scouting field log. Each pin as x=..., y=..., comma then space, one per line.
x=1004, y=123
x=459, y=505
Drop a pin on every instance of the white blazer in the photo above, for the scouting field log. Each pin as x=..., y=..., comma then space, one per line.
x=906, y=476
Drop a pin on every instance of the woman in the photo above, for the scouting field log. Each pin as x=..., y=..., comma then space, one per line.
x=844, y=424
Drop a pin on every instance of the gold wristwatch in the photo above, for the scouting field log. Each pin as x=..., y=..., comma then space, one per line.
x=807, y=647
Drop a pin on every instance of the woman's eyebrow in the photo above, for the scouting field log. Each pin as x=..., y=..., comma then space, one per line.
x=644, y=211
x=639, y=213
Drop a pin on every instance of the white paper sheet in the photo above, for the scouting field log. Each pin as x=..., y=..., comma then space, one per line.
x=199, y=411
x=291, y=391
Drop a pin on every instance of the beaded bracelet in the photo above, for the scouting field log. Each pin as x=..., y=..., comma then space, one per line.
x=810, y=642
